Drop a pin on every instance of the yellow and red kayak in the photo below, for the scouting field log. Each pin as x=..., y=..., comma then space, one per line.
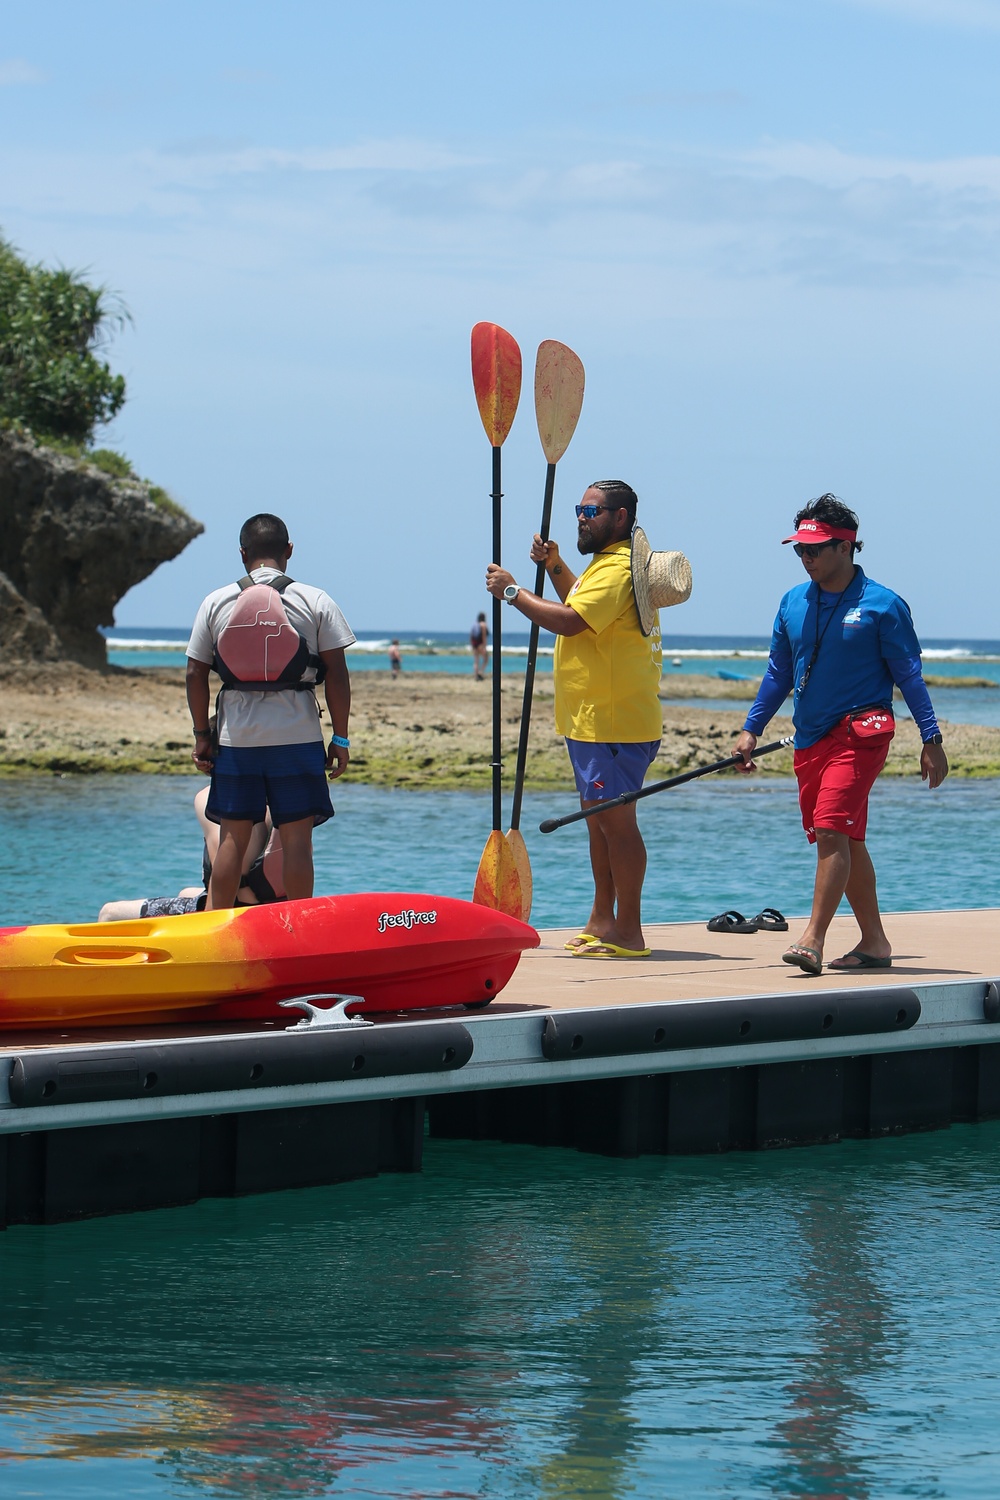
x=396, y=950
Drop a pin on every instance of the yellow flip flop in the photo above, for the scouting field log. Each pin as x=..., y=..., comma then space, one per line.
x=582, y=940
x=602, y=949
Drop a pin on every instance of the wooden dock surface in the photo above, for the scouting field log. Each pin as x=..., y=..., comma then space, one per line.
x=690, y=963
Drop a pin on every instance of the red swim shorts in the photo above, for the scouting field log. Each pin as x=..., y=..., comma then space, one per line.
x=835, y=777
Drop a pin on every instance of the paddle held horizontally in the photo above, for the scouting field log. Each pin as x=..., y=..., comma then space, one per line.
x=551, y=824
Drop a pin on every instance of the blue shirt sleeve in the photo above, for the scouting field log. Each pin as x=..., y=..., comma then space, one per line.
x=897, y=637
x=777, y=680
x=908, y=677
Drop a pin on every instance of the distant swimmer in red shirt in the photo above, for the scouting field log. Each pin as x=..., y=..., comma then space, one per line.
x=841, y=641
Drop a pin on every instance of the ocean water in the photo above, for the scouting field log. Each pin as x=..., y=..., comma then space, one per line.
x=76, y=842
x=516, y=1322
x=526, y=1323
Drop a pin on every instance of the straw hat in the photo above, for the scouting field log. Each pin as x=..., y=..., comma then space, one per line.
x=659, y=579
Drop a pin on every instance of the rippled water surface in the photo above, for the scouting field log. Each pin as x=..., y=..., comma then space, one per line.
x=517, y=1322
x=73, y=844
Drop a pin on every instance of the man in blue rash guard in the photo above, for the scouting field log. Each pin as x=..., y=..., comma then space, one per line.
x=842, y=641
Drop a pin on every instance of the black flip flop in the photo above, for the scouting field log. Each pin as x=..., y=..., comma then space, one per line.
x=770, y=920
x=731, y=921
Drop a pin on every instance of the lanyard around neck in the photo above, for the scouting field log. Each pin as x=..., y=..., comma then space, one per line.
x=804, y=679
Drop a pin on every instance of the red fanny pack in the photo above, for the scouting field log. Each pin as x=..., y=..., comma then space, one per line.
x=871, y=723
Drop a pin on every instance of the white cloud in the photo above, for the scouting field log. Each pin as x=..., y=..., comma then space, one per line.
x=976, y=15
x=824, y=164
x=14, y=70
x=799, y=211
x=217, y=159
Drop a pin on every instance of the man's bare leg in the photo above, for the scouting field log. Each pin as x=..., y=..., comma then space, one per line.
x=618, y=860
x=833, y=869
x=862, y=894
x=296, y=847
x=601, y=922
x=227, y=868
x=121, y=911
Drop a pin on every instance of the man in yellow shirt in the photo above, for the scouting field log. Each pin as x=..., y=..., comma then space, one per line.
x=607, y=676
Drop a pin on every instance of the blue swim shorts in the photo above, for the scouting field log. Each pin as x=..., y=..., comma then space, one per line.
x=290, y=780
x=604, y=771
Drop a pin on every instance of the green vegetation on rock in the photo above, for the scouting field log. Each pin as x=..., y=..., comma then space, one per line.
x=109, y=461
x=53, y=327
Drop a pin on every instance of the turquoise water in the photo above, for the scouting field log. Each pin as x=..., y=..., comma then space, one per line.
x=952, y=705
x=524, y=1323
x=76, y=842
x=516, y=1322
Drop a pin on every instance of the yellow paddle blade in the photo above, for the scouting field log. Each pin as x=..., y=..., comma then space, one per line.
x=518, y=848
x=496, y=375
x=497, y=883
x=559, y=383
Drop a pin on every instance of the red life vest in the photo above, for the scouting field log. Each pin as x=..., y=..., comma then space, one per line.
x=259, y=650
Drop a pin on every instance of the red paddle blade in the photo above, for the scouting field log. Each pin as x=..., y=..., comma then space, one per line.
x=559, y=383
x=496, y=375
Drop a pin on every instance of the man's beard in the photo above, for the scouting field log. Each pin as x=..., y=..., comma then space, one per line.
x=587, y=542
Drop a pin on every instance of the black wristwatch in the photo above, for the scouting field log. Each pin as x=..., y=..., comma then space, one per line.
x=935, y=739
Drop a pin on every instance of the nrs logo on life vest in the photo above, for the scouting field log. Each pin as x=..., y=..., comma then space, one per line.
x=406, y=919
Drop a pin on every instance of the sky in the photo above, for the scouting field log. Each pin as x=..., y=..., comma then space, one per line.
x=769, y=228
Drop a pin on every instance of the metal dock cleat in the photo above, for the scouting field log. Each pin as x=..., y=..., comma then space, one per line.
x=325, y=1017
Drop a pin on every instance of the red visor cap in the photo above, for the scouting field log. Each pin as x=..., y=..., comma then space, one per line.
x=818, y=531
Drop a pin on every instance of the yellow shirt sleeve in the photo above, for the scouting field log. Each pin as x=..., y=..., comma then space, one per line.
x=603, y=593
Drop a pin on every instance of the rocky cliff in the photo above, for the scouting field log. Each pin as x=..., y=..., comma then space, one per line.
x=73, y=540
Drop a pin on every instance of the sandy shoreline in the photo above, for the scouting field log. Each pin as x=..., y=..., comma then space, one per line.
x=423, y=730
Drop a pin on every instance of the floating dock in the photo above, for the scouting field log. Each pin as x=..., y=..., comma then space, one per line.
x=712, y=1044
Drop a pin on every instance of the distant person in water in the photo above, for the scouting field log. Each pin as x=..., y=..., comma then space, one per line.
x=841, y=642
x=261, y=876
x=395, y=660
x=272, y=641
x=479, y=637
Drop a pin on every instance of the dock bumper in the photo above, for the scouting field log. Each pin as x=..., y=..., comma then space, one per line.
x=105, y=1127
x=616, y=1032
x=285, y=1059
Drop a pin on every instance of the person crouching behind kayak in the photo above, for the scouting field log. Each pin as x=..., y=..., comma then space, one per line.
x=261, y=879
x=842, y=642
x=272, y=641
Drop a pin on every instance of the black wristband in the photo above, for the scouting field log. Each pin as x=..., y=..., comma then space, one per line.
x=935, y=739
x=198, y=733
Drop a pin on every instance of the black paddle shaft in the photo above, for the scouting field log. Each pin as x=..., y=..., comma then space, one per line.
x=529, y=670
x=497, y=763
x=551, y=824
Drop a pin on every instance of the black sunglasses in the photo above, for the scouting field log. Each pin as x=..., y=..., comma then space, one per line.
x=813, y=549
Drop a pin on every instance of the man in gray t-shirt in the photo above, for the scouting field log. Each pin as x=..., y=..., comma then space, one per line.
x=270, y=754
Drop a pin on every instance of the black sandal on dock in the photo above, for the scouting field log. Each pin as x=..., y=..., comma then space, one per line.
x=731, y=921
x=770, y=920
